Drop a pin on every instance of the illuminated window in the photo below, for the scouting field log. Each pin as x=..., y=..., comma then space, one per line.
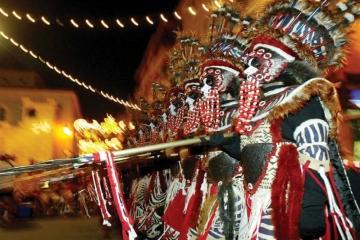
x=31, y=112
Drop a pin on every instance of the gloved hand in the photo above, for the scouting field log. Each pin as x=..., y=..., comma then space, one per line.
x=230, y=145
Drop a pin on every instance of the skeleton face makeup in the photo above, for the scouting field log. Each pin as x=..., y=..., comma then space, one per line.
x=265, y=63
x=216, y=83
x=190, y=102
x=164, y=117
x=176, y=111
x=211, y=79
x=193, y=93
x=172, y=109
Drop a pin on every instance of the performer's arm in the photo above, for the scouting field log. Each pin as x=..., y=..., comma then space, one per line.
x=309, y=130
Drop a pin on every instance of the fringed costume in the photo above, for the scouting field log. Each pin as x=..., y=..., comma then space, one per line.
x=295, y=183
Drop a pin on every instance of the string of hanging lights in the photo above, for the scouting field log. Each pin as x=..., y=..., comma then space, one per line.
x=68, y=76
x=86, y=23
x=102, y=23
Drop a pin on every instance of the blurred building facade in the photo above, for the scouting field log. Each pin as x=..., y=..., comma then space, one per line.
x=35, y=123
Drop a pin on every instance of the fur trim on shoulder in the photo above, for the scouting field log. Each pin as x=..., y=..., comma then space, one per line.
x=301, y=95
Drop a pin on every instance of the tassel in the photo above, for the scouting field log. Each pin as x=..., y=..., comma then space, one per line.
x=128, y=232
x=207, y=216
x=204, y=188
x=194, y=206
x=191, y=192
x=107, y=191
x=83, y=202
x=100, y=197
x=335, y=210
x=287, y=190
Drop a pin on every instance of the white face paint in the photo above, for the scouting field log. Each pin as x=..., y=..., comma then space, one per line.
x=164, y=117
x=250, y=70
x=152, y=126
x=172, y=109
x=205, y=90
x=190, y=102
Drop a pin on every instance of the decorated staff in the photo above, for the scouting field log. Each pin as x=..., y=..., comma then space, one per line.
x=294, y=179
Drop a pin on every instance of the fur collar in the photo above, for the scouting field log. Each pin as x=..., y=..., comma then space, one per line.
x=298, y=98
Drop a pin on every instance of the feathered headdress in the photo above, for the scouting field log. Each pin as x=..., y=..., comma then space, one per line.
x=158, y=91
x=185, y=59
x=315, y=31
x=224, y=45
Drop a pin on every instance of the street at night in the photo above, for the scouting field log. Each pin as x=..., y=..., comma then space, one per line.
x=180, y=119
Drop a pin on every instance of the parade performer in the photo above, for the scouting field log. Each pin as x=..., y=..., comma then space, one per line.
x=294, y=179
x=158, y=117
x=142, y=122
x=184, y=67
x=221, y=74
x=175, y=101
x=221, y=70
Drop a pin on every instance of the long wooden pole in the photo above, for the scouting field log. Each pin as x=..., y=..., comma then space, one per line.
x=162, y=146
x=120, y=156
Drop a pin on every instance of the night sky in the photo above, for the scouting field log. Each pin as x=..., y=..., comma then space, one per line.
x=107, y=59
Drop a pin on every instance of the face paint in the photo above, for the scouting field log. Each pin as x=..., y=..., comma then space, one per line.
x=193, y=93
x=264, y=66
x=176, y=111
x=215, y=81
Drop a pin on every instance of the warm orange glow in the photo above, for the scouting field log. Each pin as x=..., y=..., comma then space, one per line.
x=105, y=25
x=16, y=15
x=31, y=19
x=191, y=11
x=67, y=131
x=4, y=36
x=75, y=24
x=3, y=12
x=163, y=18
x=217, y=4
x=104, y=136
x=131, y=126
x=122, y=125
x=42, y=126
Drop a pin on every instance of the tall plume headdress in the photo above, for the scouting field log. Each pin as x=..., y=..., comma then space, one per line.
x=223, y=41
x=185, y=58
x=315, y=31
